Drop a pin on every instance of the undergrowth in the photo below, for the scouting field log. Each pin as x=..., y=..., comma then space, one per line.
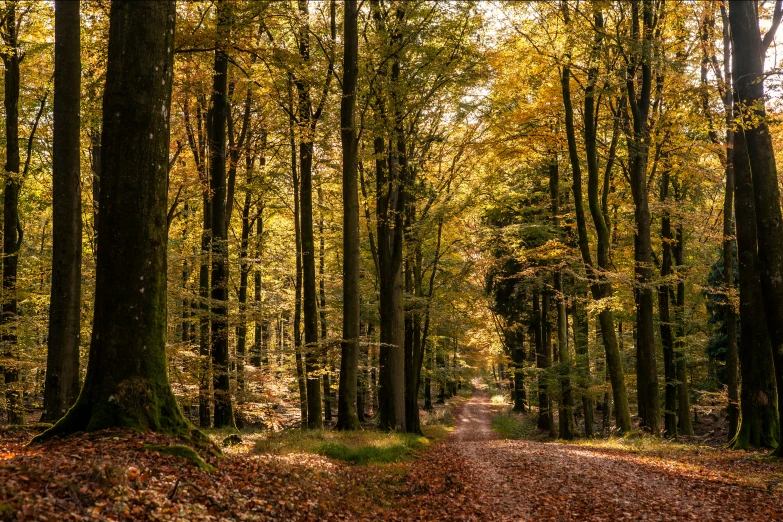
x=359, y=447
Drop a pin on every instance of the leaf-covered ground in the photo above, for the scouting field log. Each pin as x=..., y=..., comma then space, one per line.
x=470, y=476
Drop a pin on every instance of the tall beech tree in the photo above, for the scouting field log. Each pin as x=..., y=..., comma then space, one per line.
x=639, y=92
x=748, y=74
x=62, y=364
x=218, y=115
x=347, y=418
x=127, y=383
x=600, y=287
x=390, y=210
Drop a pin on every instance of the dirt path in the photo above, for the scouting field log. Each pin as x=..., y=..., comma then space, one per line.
x=524, y=480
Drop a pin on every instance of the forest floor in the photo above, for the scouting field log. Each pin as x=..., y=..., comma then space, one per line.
x=469, y=474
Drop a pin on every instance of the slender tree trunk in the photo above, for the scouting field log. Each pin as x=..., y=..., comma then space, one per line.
x=732, y=355
x=599, y=286
x=312, y=346
x=580, y=326
x=126, y=383
x=62, y=365
x=638, y=150
x=683, y=389
x=542, y=363
x=198, y=144
x=667, y=339
x=327, y=392
x=12, y=231
x=223, y=412
x=518, y=356
x=347, y=418
x=244, y=273
x=300, y=370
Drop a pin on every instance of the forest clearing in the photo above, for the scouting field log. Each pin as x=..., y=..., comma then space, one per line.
x=391, y=260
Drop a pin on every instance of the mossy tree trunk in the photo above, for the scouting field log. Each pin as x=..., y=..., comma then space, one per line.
x=127, y=383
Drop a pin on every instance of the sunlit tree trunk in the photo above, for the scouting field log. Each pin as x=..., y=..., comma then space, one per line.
x=599, y=286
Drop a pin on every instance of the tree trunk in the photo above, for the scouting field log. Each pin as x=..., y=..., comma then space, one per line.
x=566, y=413
x=760, y=423
x=749, y=54
x=580, y=326
x=223, y=412
x=244, y=273
x=62, y=364
x=198, y=145
x=638, y=150
x=599, y=286
x=683, y=389
x=127, y=384
x=542, y=363
x=517, y=349
x=300, y=370
x=667, y=339
x=12, y=232
x=347, y=418
x=310, y=303
x=327, y=395
x=732, y=355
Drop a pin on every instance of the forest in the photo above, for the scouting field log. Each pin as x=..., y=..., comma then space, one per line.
x=391, y=260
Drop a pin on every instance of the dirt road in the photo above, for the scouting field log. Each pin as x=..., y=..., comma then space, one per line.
x=523, y=480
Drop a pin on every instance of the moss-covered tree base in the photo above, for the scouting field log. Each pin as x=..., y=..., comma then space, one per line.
x=759, y=432
x=135, y=404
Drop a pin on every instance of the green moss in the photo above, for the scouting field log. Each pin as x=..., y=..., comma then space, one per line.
x=183, y=452
x=7, y=511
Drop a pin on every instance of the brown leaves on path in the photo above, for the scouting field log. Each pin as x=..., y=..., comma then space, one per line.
x=471, y=476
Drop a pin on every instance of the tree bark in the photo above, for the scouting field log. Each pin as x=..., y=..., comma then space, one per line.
x=12, y=232
x=760, y=423
x=223, y=411
x=638, y=150
x=667, y=339
x=61, y=388
x=749, y=54
x=732, y=355
x=580, y=326
x=347, y=418
x=542, y=363
x=127, y=383
x=599, y=286
x=312, y=346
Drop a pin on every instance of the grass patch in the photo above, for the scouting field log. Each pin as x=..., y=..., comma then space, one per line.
x=358, y=447
x=641, y=443
x=183, y=452
x=498, y=400
x=515, y=426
